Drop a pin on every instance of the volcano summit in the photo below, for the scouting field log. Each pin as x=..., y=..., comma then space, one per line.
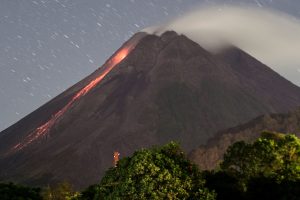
x=152, y=90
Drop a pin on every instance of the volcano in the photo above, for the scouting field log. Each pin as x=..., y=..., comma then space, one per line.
x=152, y=90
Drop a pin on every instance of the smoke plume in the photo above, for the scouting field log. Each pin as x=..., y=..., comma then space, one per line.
x=270, y=36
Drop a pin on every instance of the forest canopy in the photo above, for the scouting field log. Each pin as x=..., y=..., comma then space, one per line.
x=267, y=168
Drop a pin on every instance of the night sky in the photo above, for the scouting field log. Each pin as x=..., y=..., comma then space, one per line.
x=48, y=45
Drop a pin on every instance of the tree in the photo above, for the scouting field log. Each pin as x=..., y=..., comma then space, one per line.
x=274, y=155
x=91, y=193
x=225, y=185
x=11, y=191
x=62, y=191
x=157, y=173
x=270, y=188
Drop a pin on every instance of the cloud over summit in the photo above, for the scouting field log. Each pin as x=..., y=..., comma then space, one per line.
x=268, y=35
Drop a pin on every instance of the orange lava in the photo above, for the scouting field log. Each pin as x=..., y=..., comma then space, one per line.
x=44, y=129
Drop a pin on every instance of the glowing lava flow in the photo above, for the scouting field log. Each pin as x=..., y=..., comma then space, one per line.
x=44, y=129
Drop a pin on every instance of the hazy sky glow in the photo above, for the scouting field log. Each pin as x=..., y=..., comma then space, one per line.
x=48, y=45
x=270, y=36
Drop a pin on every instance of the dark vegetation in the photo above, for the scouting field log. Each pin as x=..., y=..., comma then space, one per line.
x=11, y=191
x=268, y=168
x=168, y=88
x=208, y=156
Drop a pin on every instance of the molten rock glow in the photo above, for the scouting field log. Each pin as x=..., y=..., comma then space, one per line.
x=44, y=129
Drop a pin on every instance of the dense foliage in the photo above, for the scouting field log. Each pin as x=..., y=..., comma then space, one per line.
x=61, y=191
x=268, y=168
x=273, y=155
x=10, y=191
x=157, y=173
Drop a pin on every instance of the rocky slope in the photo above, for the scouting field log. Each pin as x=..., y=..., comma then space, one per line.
x=165, y=88
x=208, y=156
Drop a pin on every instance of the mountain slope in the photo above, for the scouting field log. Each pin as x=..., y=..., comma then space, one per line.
x=166, y=88
x=209, y=155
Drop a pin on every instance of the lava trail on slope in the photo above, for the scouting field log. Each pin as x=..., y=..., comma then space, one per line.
x=45, y=128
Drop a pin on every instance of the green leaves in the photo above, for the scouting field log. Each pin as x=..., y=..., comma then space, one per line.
x=248, y=171
x=165, y=173
x=61, y=191
x=273, y=155
x=157, y=173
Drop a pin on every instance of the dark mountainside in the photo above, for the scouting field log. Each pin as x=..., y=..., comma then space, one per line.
x=209, y=155
x=167, y=88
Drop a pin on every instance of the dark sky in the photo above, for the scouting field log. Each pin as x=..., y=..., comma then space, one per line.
x=48, y=45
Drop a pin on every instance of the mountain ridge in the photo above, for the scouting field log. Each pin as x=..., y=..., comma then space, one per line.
x=208, y=156
x=167, y=88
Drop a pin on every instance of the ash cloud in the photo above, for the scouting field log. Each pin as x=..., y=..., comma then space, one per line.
x=270, y=36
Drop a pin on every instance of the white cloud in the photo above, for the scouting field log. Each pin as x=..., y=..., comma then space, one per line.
x=270, y=36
